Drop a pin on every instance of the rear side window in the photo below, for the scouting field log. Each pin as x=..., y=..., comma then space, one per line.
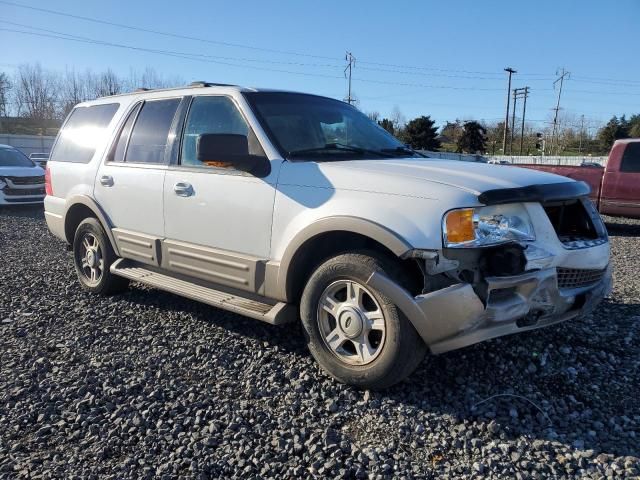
x=83, y=132
x=149, y=136
x=118, y=153
x=631, y=158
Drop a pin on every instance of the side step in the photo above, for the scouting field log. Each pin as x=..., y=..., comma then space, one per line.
x=275, y=314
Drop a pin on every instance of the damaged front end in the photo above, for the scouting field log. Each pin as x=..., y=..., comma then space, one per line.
x=463, y=313
x=475, y=294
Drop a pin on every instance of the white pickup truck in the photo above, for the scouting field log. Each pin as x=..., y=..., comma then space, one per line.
x=290, y=207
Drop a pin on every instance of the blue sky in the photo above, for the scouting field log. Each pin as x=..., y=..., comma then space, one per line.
x=443, y=59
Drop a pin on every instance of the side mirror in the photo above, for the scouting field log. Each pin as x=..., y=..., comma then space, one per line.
x=232, y=150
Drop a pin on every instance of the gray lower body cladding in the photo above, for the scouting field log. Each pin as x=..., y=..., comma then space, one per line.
x=455, y=317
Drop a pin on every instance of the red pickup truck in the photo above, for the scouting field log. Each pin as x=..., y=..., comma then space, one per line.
x=615, y=188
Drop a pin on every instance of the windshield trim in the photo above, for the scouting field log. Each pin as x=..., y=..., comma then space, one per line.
x=284, y=153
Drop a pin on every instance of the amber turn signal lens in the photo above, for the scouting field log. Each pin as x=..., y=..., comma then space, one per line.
x=459, y=224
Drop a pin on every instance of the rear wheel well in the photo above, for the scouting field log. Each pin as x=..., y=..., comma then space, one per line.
x=318, y=249
x=76, y=214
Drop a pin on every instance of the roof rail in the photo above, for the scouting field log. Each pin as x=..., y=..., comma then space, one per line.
x=201, y=83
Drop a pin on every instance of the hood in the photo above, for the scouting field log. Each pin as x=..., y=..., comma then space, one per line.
x=413, y=176
x=34, y=171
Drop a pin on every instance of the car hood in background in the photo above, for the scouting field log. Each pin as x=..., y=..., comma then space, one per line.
x=21, y=171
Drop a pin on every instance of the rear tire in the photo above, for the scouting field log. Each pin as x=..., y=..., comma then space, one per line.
x=355, y=332
x=93, y=256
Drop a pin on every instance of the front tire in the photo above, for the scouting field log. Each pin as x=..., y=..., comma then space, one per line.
x=353, y=331
x=93, y=256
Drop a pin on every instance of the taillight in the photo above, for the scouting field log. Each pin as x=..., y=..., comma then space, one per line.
x=47, y=181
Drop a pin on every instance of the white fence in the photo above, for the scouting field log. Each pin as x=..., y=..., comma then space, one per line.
x=539, y=160
x=28, y=144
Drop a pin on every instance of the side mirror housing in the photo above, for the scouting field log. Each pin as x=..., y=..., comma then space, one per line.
x=233, y=150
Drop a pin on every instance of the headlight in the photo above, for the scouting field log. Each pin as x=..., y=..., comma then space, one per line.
x=484, y=226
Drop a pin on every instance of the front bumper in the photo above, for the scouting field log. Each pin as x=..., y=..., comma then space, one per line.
x=455, y=317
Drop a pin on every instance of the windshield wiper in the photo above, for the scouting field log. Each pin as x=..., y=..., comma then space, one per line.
x=403, y=151
x=340, y=147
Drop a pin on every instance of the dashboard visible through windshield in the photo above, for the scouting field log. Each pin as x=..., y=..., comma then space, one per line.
x=306, y=126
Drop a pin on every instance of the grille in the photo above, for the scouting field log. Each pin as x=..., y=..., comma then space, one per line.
x=577, y=278
x=574, y=225
x=23, y=191
x=26, y=180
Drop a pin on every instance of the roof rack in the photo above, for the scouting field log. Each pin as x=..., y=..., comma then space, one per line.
x=201, y=83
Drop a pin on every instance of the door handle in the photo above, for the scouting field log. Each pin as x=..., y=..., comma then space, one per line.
x=183, y=189
x=106, y=180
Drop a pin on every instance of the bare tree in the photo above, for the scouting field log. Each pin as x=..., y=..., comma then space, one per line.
x=149, y=78
x=73, y=91
x=397, y=119
x=36, y=92
x=374, y=116
x=5, y=88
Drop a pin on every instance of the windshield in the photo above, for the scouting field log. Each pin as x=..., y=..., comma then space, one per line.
x=10, y=157
x=310, y=127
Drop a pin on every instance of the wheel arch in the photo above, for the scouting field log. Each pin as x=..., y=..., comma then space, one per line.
x=328, y=237
x=81, y=207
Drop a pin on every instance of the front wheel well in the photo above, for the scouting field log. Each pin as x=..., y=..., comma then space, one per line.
x=321, y=247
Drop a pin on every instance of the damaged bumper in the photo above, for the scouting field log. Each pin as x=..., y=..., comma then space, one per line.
x=455, y=317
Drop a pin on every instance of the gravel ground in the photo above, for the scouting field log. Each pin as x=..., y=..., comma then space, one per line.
x=147, y=384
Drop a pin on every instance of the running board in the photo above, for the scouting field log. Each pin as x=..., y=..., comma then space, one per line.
x=275, y=314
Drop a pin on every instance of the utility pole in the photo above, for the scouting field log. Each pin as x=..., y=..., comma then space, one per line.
x=562, y=74
x=513, y=119
x=517, y=93
x=351, y=63
x=524, y=113
x=510, y=71
x=581, y=132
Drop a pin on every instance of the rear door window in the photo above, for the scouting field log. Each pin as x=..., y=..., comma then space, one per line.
x=148, y=140
x=83, y=132
x=118, y=152
x=631, y=158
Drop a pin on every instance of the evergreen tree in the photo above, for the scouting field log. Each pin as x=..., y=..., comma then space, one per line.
x=473, y=138
x=421, y=134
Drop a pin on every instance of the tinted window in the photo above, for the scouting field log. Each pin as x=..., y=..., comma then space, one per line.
x=149, y=137
x=212, y=115
x=118, y=154
x=10, y=157
x=83, y=132
x=631, y=158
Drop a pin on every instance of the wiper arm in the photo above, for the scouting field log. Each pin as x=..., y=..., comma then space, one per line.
x=340, y=147
x=402, y=150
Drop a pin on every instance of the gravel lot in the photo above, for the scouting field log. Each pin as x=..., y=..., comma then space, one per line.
x=148, y=384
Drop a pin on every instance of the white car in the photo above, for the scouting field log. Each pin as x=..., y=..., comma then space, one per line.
x=290, y=207
x=21, y=180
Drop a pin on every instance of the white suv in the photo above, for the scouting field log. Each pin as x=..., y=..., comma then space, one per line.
x=21, y=180
x=284, y=206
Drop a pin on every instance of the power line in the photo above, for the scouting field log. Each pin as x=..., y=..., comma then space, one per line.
x=208, y=59
x=604, y=81
x=166, y=34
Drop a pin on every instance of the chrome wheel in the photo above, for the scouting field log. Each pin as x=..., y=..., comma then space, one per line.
x=90, y=259
x=351, y=322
